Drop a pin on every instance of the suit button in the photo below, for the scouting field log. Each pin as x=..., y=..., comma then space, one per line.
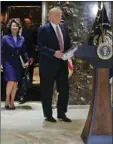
x=12, y=55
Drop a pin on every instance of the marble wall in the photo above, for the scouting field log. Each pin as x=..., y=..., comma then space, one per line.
x=79, y=17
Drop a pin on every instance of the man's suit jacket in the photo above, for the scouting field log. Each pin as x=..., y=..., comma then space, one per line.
x=48, y=44
x=29, y=43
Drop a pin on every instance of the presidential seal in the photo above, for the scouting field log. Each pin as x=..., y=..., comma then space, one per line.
x=104, y=51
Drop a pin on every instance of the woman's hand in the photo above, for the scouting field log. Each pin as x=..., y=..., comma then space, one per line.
x=26, y=65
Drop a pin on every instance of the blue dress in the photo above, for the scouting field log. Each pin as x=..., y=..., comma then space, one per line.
x=10, y=52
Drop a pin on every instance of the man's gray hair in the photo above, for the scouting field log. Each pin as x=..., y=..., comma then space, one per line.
x=55, y=9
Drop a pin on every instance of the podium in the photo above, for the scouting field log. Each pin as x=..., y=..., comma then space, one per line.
x=98, y=127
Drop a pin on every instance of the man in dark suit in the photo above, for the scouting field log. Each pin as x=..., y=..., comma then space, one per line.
x=27, y=33
x=53, y=41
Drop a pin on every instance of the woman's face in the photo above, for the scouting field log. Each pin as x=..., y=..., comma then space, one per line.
x=14, y=28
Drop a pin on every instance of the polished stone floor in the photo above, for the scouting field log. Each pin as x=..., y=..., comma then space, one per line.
x=26, y=125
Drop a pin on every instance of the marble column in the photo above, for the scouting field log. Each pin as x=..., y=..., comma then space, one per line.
x=44, y=11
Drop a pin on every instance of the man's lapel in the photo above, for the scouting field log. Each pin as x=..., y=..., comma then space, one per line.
x=62, y=30
x=53, y=32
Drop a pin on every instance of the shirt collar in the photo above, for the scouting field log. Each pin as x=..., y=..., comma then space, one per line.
x=54, y=25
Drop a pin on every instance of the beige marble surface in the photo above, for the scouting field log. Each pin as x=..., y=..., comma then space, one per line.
x=26, y=125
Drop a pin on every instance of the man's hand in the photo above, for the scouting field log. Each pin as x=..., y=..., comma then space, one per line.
x=36, y=48
x=31, y=61
x=26, y=65
x=58, y=54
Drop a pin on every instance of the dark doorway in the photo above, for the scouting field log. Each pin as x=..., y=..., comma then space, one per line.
x=32, y=12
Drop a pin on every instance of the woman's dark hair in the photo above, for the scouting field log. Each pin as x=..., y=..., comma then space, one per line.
x=13, y=20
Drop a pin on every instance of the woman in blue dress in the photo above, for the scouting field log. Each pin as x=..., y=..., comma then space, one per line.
x=12, y=46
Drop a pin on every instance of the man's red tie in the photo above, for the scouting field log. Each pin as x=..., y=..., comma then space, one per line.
x=60, y=39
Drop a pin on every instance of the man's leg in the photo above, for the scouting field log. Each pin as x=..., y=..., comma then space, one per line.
x=31, y=69
x=46, y=85
x=63, y=90
x=22, y=89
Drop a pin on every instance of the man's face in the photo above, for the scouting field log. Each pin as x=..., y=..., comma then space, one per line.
x=55, y=17
x=27, y=23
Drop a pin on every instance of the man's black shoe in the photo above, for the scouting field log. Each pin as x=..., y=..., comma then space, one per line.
x=50, y=119
x=21, y=101
x=64, y=118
